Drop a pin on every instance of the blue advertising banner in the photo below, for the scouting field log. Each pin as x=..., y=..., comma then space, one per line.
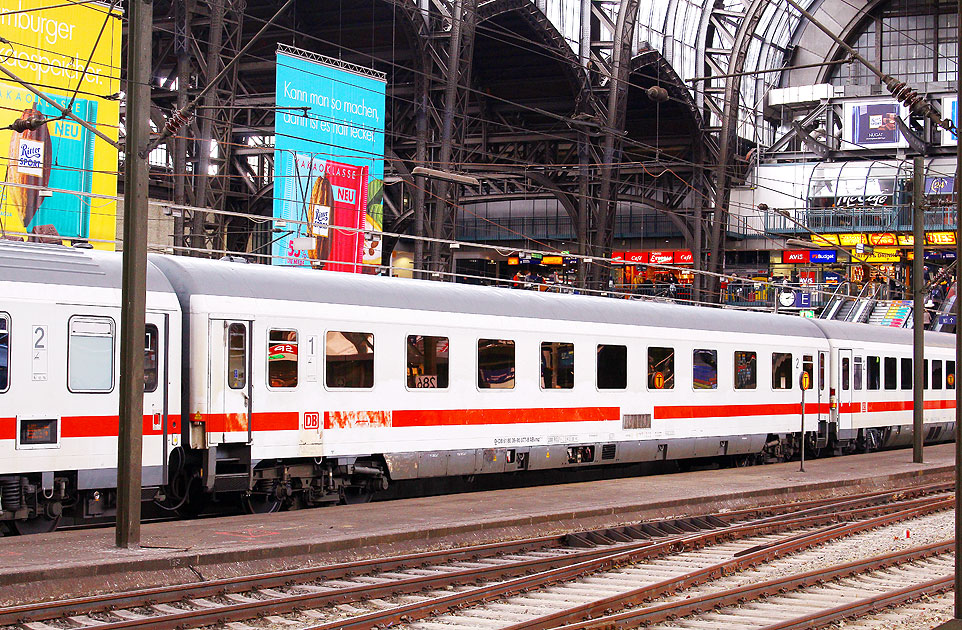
x=328, y=162
x=828, y=256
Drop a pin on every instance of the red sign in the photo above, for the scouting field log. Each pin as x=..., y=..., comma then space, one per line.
x=795, y=256
x=684, y=257
x=662, y=258
x=630, y=258
x=312, y=420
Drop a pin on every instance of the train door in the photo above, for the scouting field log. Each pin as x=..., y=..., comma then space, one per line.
x=156, y=397
x=229, y=401
x=844, y=376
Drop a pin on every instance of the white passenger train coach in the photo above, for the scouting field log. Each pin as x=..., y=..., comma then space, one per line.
x=292, y=388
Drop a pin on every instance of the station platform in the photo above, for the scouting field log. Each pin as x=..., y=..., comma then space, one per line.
x=85, y=562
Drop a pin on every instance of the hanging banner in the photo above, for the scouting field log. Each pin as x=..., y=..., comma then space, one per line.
x=46, y=44
x=950, y=109
x=329, y=162
x=871, y=125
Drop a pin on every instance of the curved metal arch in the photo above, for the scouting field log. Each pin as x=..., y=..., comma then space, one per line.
x=853, y=28
x=541, y=26
x=675, y=86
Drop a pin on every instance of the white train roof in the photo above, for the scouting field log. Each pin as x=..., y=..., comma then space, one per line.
x=194, y=276
x=41, y=263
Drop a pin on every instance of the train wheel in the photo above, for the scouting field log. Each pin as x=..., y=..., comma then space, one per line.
x=36, y=525
x=259, y=503
x=352, y=495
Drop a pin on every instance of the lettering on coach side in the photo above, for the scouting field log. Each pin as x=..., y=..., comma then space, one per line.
x=312, y=420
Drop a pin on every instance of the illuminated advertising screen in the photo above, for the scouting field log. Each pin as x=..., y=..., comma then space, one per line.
x=328, y=163
x=46, y=45
x=950, y=109
x=871, y=125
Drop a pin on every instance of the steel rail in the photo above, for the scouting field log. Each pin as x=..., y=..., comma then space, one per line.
x=739, y=595
x=435, y=606
x=167, y=594
x=639, y=595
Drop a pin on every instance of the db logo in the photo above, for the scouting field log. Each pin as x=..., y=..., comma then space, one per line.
x=312, y=420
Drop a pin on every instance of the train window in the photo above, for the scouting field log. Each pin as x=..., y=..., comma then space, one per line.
x=845, y=373
x=906, y=373
x=237, y=356
x=746, y=370
x=821, y=370
x=781, y=370
x=857, y=372
x=282, y=358
x=808, y=367
x=4, y=352
x=557, y=365
x=891, y=373
x=427, y=366
x=661, y=368
x=495, y=364
x=612, y=367
x=90, y=354
x=925, y=374
x=704, y=369
x=937, y=374
x=950, y=375
x=151, y=363
x=349, y=359
x=874, y=372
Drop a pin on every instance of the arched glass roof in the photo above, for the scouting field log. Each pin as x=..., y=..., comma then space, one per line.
x=677, y=27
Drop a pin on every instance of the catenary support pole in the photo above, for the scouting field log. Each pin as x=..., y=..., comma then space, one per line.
x=958, y=320
x=134, y=282
x=918, y=307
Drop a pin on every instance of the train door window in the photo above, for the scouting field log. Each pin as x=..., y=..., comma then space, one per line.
x=846, y=368
x=781, y=370
x=282, y=358
x=151, y=361
x=950, y=375
x=746, y=370
x=874, y=372
x=612, y=366
x=349, y=360
x=661, y=368
x=90, y=354
x=937, y=374
x=925, y=374
x=557, y=365
x=4, y=352
x=821, y=371
x=906, y=373
x=704, y=369
x=427, y=366
x=857, y=373
x=891, y=373
x=496, y=364
x=237, y=356
x=808, y=367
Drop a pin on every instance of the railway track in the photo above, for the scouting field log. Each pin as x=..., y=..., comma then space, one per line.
x=600, y=570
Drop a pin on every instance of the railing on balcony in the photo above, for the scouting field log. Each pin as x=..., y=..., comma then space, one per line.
x=859, y=219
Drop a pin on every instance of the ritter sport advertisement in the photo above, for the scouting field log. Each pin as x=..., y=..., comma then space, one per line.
x=329, y=163
x=47, y=48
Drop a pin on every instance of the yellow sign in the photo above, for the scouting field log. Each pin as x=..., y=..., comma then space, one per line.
x=552, y=260
x=46, y=45
x=950, y=379
x=806, y=381
x=882, y=255
x=659, y=380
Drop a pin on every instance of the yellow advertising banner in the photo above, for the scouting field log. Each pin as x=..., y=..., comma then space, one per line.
x=47, y=46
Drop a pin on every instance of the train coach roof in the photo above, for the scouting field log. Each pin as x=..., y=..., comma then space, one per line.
x=40, y=263
x=193, y=276
x=881, y=334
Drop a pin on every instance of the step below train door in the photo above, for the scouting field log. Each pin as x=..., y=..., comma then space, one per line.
x=229, y=396
x=844, y=389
